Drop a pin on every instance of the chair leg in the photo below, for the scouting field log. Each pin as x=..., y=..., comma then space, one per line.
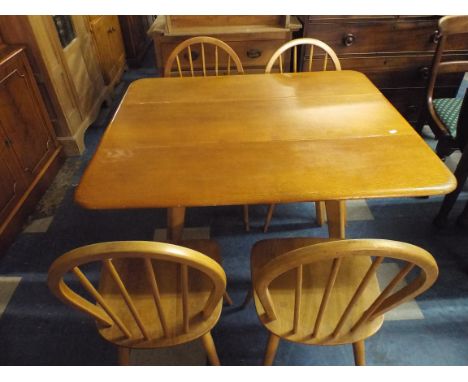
x=461, y=173
x=359, y=350
x=246, y=218
x=124, y=356
x=227, y=298
x=271, y=208
x=320, y=213
x=248, y=298
x=272, y=347
x=210, y=349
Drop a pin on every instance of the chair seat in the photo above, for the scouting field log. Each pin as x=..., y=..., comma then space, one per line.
x=448, y=110
x=315, y=276
x=168, y=277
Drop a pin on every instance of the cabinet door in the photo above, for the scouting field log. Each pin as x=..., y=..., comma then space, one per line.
x=109, y=44
x=11, y=182
x=22, y=116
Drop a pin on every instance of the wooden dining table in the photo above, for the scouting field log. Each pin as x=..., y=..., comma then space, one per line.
x=258, y=139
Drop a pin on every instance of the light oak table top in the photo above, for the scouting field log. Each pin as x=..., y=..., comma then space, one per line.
x=260, y=138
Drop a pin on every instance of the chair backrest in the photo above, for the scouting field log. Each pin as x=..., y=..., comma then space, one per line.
x=216, y=57
x=149, y=293
x=448, y=26
x=315, y=46
x=344, y=285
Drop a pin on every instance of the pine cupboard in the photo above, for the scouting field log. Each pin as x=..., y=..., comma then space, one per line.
x=107, y=38
x=29, y=152
x=66, y=62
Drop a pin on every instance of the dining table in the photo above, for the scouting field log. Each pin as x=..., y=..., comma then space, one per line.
x=327, y=136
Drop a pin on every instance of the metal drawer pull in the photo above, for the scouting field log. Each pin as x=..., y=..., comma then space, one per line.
x=254, y=53
x=349, y=39
x=435, y=37
x=424, y=72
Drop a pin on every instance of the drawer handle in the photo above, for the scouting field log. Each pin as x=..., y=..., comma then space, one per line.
x=349, y=39
x=194, y=55
x=435, y=37
x=254, y=53
x=424, y=72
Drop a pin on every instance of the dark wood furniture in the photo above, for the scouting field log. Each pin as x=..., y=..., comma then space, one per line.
x=29, y=153
x=135, y=37
x=395, y=52
x=448, y=117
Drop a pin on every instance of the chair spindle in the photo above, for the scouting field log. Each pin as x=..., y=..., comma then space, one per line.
x=295, y=59
x=156, y=294
x=375, y=305
x=216, y=60
x=359, y=291
x=297, y=297
x=184, y=281
x=311, y=57
x=325, y=62
x=281, y=63
x=326, y=295
x=203, y=59
x=190, y=60
x=178, y=66
x=90, y=288
x=128, y=300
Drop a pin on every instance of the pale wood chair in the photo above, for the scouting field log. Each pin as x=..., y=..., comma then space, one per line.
x=217, y=58
x=323, y=55
x=204, y=55
x=149, y=294
x=324, y=292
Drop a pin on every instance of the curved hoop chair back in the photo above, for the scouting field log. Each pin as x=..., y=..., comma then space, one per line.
x=212, y=55
x=448, y=26
x=320, y=62
x=149, y=294
x=328, y=293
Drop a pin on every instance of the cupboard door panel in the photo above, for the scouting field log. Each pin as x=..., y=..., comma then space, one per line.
x=109, y=44
x=22, y=119
x=11, y=185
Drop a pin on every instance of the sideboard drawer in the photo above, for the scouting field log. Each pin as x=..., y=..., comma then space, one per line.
x=380, y=35
x=400, y=71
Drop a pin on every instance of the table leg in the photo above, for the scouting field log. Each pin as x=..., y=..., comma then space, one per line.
x=336, y=216
x=175, y=223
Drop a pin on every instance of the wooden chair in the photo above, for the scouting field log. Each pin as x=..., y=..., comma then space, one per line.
x=448, y=117
x=213, y=54
x=149, y=294
x=325, y=292
x=321, y=62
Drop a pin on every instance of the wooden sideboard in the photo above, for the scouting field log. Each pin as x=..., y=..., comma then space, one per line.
x=254, y=43
x=29, y=153
x=395, y=52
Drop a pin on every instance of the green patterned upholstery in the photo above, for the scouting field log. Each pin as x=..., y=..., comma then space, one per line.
x=448, y=110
